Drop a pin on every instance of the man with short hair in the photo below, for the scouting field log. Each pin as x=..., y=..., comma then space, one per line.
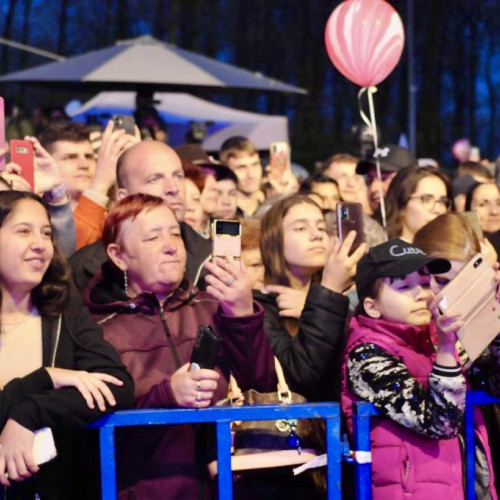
x=241, y=156
x=227, y=193
x=149, y=167
x=391, y=159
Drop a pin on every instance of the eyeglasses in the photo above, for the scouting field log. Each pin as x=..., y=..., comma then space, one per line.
x=429, y=202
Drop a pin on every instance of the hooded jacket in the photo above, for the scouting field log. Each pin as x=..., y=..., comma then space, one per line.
x=169, y=462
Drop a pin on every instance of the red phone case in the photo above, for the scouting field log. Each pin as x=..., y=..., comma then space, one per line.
x=21, y=152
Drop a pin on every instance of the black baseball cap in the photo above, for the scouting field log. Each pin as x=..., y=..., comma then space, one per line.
x=391, y=158
x=393, y=259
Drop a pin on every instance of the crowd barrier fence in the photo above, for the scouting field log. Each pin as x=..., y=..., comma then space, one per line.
x=361, y=423
x=222, y=417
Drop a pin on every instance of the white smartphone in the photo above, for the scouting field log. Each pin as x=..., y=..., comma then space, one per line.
x=44, y=448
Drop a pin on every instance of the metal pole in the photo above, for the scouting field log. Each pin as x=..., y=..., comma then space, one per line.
x=412, y=88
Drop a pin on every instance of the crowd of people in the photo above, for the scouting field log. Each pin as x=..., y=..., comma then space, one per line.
x=106, y=275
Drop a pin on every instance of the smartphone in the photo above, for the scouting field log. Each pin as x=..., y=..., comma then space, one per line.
x=44, y=448
x=473, y=220
x=2, y=134
x=21, y=152
x=475, y=154
x=279, y=159
x=350, y=218
x=226, y=239
x=125, y=122
x=206, y=349
x=472, y=292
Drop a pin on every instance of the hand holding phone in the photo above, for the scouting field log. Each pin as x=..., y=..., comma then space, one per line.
x=125, y=122
x=279, y=159
x=226, y=239
x=350, y=218
x=206, y=349
x=21, y=153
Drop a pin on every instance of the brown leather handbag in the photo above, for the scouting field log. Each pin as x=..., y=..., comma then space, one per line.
x=263, y=444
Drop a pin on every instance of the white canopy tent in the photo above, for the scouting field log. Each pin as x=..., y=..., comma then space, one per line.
x=178, y=110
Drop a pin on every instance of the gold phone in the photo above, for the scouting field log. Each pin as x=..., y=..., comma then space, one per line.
x=226, y=239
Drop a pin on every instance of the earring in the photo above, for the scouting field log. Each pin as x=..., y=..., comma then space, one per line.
x=125, y=282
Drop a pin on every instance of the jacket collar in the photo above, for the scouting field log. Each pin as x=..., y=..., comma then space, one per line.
x=105, y=295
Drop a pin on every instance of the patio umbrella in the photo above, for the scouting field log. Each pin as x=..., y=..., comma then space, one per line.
x=146, y=62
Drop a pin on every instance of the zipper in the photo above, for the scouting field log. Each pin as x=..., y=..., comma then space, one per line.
x=169, y=337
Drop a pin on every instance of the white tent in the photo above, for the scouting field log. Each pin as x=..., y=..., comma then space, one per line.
x=179, y=109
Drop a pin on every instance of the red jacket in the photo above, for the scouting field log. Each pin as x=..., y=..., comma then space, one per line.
x=167, y=462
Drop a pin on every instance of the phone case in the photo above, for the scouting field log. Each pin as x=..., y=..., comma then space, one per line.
x=226, y=244
x=44, y=448
x=279, y=158
x=473, y=294
x=125, y=122
x=21, y=152
x=350, y=218
x=206, y=348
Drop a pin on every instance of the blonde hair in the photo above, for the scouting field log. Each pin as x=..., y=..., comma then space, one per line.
x=450, y=236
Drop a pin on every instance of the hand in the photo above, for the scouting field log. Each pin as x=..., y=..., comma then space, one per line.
x=287, y=185
x=193, y=389
x=91, y=385
x=16, y=453
x=46, y=172
x=230, y=285
x=447, y=327
x=12, y=175
x=290, y=302
x=114, y=143
x=340, y=268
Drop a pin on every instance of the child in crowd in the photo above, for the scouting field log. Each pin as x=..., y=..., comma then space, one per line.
x=406, y=365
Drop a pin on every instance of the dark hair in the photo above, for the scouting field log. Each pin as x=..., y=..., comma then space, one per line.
x=469, y=196
x=52, y=293
x=474, y=168
x=307, y=185
x=371, y=291
x=401, y=188
x=223, y=173
x=272, y=235
x=63, y=131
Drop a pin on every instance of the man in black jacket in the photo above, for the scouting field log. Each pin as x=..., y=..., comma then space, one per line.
x=154, y=168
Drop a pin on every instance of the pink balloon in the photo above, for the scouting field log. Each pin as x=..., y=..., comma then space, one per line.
x=364, y=39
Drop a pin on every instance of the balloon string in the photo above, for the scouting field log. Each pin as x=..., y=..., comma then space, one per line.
x=372, y=124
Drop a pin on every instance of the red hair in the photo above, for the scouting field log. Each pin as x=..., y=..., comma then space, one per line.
x=195, y=173
x=128, y=208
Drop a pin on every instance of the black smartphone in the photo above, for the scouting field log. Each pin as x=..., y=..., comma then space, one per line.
x=125, y=122
x=350, y=218
x=206, y=349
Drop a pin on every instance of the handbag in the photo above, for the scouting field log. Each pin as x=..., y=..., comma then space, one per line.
x=263, y=444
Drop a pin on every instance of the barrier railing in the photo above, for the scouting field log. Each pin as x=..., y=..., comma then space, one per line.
x=361, y=424
x=222, y=417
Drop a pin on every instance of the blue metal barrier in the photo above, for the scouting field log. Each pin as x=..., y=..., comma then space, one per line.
x=361, y=423
x=222, y=417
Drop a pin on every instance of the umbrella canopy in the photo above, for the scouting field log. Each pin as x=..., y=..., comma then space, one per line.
x=178, y=110
x=146, y=61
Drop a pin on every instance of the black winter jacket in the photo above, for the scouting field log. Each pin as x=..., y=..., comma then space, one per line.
x=311, y=359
